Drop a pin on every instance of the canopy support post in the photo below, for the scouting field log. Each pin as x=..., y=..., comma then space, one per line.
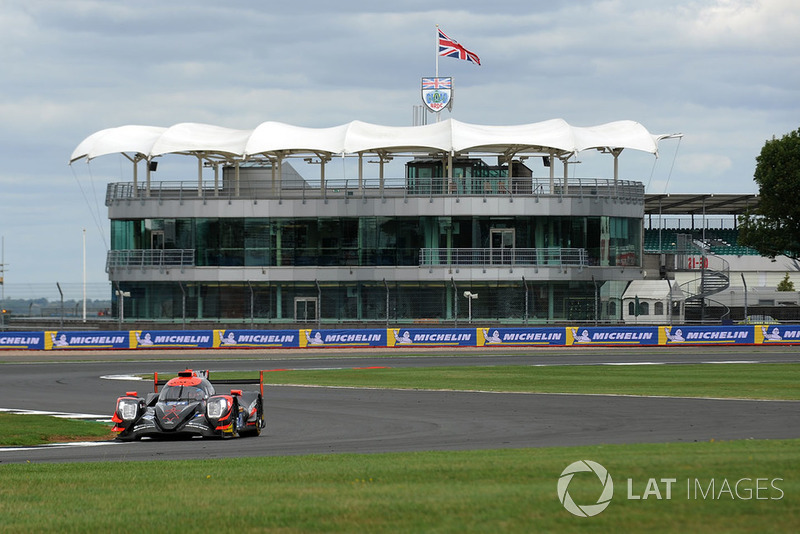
x=237, y=178
x=322, y=162
x=147, y=187
x=135, y=176
x=216, y=179
x=360, y=171
x=199, y=176
x=616, y=152
x=449, y=172
x=380, y=172
x=509, y=178
x=279, y=177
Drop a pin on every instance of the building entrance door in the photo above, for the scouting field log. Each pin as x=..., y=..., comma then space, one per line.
x=157, y=240
x=305, y=309
x=501, y=245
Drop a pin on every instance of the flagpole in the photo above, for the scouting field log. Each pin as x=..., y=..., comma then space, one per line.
x=436, y=48
x=436, y=51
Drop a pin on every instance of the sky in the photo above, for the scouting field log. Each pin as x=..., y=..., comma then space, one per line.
x=724, y=73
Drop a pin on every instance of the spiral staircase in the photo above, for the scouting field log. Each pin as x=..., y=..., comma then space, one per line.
x=714, y=278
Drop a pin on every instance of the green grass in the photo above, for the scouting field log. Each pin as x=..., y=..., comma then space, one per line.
x=469, y=491
x=755, y=381
x=509, y=490
x=26, y=430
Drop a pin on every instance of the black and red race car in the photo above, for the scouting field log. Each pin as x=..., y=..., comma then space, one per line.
x=187, y=406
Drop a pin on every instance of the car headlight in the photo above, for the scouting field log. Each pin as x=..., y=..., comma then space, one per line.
x=128, y=409
x=217, y=407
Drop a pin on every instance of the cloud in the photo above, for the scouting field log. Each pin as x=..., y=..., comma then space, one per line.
x=723, y=72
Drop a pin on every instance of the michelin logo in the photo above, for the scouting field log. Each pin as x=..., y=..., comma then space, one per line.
x=775, y=335
x=583, y=337
x=402, y=339
x=674, y=337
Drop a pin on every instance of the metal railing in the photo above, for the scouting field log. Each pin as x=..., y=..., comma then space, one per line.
x=582, y=188
x=504, y=256
x=150, y=258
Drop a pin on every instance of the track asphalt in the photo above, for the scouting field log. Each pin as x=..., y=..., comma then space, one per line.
x=309, y=420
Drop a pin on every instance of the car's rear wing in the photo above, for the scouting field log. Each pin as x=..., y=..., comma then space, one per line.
x=207, y=375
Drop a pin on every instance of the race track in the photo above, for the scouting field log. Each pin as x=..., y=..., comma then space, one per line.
x=306, y=420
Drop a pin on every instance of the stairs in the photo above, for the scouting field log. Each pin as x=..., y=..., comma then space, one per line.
x=713, y=279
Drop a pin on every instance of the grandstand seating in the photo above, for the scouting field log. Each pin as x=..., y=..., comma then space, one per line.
x=717, y=241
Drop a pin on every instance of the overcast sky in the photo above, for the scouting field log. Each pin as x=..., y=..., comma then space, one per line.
x=725, y=73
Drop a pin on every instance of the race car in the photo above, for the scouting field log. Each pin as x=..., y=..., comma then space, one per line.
x=188, y=406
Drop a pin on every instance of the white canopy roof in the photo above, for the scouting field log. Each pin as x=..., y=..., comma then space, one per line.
x=448, y=136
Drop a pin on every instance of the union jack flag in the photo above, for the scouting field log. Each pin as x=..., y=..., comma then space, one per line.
x=437, y=83
x=450, y=48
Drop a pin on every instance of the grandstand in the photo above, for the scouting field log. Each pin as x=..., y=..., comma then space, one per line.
x=694, y=240
x=719, y=241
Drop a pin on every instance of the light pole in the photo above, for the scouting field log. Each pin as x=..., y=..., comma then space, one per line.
x=84, y=275
x=470, y=296
x=2, y=282
x=121, y=311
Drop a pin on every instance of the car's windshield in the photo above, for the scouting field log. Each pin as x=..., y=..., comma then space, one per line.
x=181, y=393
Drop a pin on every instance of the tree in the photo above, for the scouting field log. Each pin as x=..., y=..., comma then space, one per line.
x=773, y=228
x=786, y=284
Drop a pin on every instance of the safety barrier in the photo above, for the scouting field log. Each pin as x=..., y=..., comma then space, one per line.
x=406, y=337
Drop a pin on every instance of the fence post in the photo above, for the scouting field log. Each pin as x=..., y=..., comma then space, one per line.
x=252, y=304
x=385, y=285
x=525, y=285
x=455, y=302
x=319, y=304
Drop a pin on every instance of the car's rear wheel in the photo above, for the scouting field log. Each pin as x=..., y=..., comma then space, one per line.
x=235, y=419
x=256, y=430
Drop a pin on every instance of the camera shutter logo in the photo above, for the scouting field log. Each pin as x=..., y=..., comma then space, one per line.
x=585, y=510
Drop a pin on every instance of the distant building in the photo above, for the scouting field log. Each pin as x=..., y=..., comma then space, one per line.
x=657, y=302
x=471, y=212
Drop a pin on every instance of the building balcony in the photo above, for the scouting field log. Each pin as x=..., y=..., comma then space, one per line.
x=143, y=258
x=494, y=257
x=529, y=187
x=475, y=257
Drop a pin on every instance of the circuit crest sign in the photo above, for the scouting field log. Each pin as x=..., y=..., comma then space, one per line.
x=437, y=93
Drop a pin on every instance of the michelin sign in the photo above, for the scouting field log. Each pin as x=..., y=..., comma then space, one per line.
x=707, y=335
x=622, y=335
x=431, y=337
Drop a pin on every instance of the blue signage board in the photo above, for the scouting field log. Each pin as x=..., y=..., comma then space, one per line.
x=777, y=334
x=171, y=339
x=256, y=338
x=432, y=337
x=612, y=335
x=85, y=340
x=343, y=338
x=520, y=336
x=707, y=335
x=22, y=340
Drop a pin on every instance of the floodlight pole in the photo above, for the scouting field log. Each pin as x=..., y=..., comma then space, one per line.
x=84, y=275
x=470, y=296
x=745, y=297
x=62, y=303
x=2, y=282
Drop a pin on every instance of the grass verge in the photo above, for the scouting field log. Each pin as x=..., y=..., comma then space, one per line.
x=758, y=381
x=27, y=430
x=754, y=381
x=470, y=491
